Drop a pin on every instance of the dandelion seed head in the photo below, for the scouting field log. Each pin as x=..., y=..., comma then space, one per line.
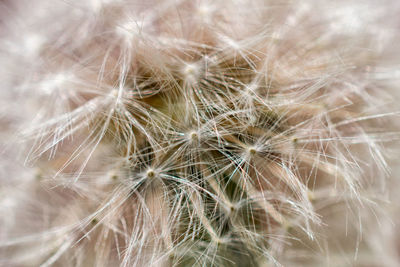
x=179, y=133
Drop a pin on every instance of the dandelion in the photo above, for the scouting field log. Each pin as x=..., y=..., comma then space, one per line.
x=196, y=133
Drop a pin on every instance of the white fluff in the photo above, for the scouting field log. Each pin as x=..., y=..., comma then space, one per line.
x=199, y=133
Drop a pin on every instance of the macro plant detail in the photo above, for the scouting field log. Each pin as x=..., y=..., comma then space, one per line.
x=196, y=133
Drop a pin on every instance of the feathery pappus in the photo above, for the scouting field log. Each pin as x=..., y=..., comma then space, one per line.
x=199, y=133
